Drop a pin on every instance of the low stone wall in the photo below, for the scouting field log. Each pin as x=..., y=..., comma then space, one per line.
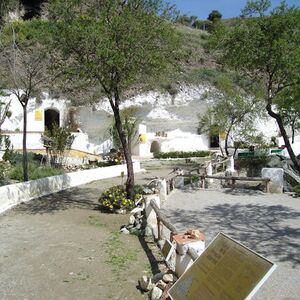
x=13, y=194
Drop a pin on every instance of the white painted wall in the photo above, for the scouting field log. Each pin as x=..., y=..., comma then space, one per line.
x=15, y=122
x=33, y=140
x=176, y=140
x=81, y=143
x=14, y=194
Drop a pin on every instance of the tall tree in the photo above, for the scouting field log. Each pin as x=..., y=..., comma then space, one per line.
x=113, y=45
x=233, y=113
x=214, y=16
x=23, y=68
x=265, y=49
x=289, y=108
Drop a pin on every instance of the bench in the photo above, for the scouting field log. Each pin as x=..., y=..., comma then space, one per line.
x=233, y=180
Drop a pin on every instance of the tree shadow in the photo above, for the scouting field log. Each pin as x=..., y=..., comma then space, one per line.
x=267, y=230
x=83, y=198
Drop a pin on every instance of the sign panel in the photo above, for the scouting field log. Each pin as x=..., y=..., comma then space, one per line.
x=225, y=270
x=38, y=115
x=167, y=250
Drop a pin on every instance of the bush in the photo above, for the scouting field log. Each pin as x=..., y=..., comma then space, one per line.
x=253, y=165
x=115, y=198
x=34, y=172
x=296, y=190
x=181, y=154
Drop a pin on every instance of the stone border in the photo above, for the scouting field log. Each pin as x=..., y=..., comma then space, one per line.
x=14, y=194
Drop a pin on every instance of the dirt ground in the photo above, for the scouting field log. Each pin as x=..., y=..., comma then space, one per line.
x=61, y=247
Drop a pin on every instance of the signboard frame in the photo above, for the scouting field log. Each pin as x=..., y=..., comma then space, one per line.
x=260, y=282
x=167, y=256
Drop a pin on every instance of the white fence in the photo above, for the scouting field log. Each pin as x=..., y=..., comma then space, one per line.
x=13, y=194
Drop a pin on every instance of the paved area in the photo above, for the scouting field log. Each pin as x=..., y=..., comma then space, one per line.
x=267, y=223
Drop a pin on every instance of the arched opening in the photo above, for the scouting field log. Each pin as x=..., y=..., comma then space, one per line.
x=155, y=147
x=51, y=118
x=214, y=141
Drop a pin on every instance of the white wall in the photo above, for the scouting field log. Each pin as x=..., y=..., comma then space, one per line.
x=33, y=140
x=11, y=195
x=15, y=122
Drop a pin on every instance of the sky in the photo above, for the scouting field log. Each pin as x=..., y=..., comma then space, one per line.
x=228, y=8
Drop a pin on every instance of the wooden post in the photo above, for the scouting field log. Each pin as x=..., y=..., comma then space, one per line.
x=158, y=228
x=267, y=186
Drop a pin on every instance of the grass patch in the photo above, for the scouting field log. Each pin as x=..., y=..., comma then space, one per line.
x=95, y=221
x=119, y=257
x=34, y=172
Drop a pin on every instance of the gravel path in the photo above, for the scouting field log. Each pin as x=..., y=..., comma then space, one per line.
x=267, y=223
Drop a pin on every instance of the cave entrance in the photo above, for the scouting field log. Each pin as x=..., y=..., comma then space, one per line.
x=51, y=118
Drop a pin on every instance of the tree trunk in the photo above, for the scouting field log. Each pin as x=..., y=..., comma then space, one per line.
x=25, y=156
x=293, y=132
x=279, y=121
x=226, y=144
x=226, y=140
x=125, y=146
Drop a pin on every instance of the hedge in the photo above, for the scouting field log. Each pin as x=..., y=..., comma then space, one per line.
x=181, y=154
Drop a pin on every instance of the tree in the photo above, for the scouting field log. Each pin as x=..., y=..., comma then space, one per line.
x=60, y=140
x=214, y=16
x=184, y=20
x=130, y=122
x=23, y=68
x=233, y=113
x=112, y=46
x=289, y=107
x=265, y=49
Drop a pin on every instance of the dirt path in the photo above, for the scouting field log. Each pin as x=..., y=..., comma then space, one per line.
x=61, y=247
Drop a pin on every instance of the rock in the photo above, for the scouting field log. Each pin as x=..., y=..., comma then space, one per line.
x=146, y=284
x=148, y=231
x=138, y=226
x=168, y=278
x=157, y=277
x=136, y=210
x=161, y=243
x=161, y=284
x=131, y=220
x=124, y=230
x=156, y=293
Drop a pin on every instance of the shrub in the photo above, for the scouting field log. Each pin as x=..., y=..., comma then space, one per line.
x=252, y=165
x=115, y=198
x=34, y=172
x=181, y=154
x=296, y=190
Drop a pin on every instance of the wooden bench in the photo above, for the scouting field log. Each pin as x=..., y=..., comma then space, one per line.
x=233, y=180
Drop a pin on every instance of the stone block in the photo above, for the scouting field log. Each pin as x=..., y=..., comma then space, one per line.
x=276, y=176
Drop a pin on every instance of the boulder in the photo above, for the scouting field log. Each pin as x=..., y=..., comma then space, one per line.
x=156, y=293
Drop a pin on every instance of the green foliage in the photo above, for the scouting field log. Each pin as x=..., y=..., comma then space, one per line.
x=9, y=152
x=214, y=16
x=115, y=198
x=4, y=170
x=130, y=122
x=119, y=256
x=296, y=190
x=266, y=50
x=181, y=154
x=184, y=20
x=233, y=113
x=61, y=140
x=252, y=165
x=34, y=172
